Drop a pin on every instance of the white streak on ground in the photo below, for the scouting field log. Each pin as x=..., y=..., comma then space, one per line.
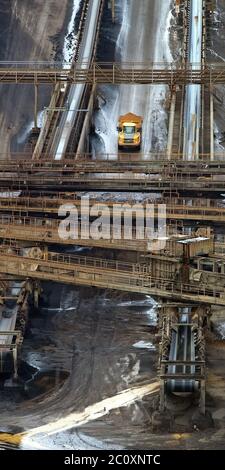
x=92, y=412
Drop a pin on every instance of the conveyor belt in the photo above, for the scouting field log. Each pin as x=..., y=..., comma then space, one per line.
x=182, y=349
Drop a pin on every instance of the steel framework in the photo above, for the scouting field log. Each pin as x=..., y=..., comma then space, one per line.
x=102, y=273
x=143, y=73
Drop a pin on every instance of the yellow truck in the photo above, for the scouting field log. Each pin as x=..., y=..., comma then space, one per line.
x=130, y=131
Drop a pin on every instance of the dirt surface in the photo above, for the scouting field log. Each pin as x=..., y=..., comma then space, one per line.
x=100, y=338
x=85, y=345
x=94, y=337
x=30, y=30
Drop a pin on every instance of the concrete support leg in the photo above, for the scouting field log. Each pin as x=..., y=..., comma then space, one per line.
x=171, y=125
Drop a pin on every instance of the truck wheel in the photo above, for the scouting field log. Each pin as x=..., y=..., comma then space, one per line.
x=138, y=148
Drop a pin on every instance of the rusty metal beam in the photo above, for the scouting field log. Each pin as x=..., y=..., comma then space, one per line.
x=106, y=274
x=107, y=162
x=46, y=231
x=112, y=73
x=134, y=173
x=176, y=209
x=98, y=182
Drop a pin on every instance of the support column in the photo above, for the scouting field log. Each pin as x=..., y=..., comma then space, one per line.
x=196, y=155
x=15, y=374
x=46, y=252
x=36, y=296
x=162, y=395
x=162, y=387
x=222, y=268
x=215, y=267
x=171, y=124
x=35, y=106
x=211, y=125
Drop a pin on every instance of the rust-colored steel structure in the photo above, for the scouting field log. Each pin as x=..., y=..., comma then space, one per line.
x=102, y=273
x=176, y=209
x=143, y=73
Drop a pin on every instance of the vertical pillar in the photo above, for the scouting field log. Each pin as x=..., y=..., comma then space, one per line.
x=222, y=268
x=35, y=105
x=162, y=395
x=196, y=155
x=15, y=374
x=46, y=252
x=36, y=296
x=171, y=124
x=211, y=125
x=162, y=388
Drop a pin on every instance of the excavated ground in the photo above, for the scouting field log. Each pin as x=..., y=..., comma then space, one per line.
x=85, y=345
x=30, y=30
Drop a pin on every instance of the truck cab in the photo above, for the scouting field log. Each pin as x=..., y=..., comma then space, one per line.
x=130, y=132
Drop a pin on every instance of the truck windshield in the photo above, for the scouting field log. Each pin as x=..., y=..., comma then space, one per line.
x=129, y=129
